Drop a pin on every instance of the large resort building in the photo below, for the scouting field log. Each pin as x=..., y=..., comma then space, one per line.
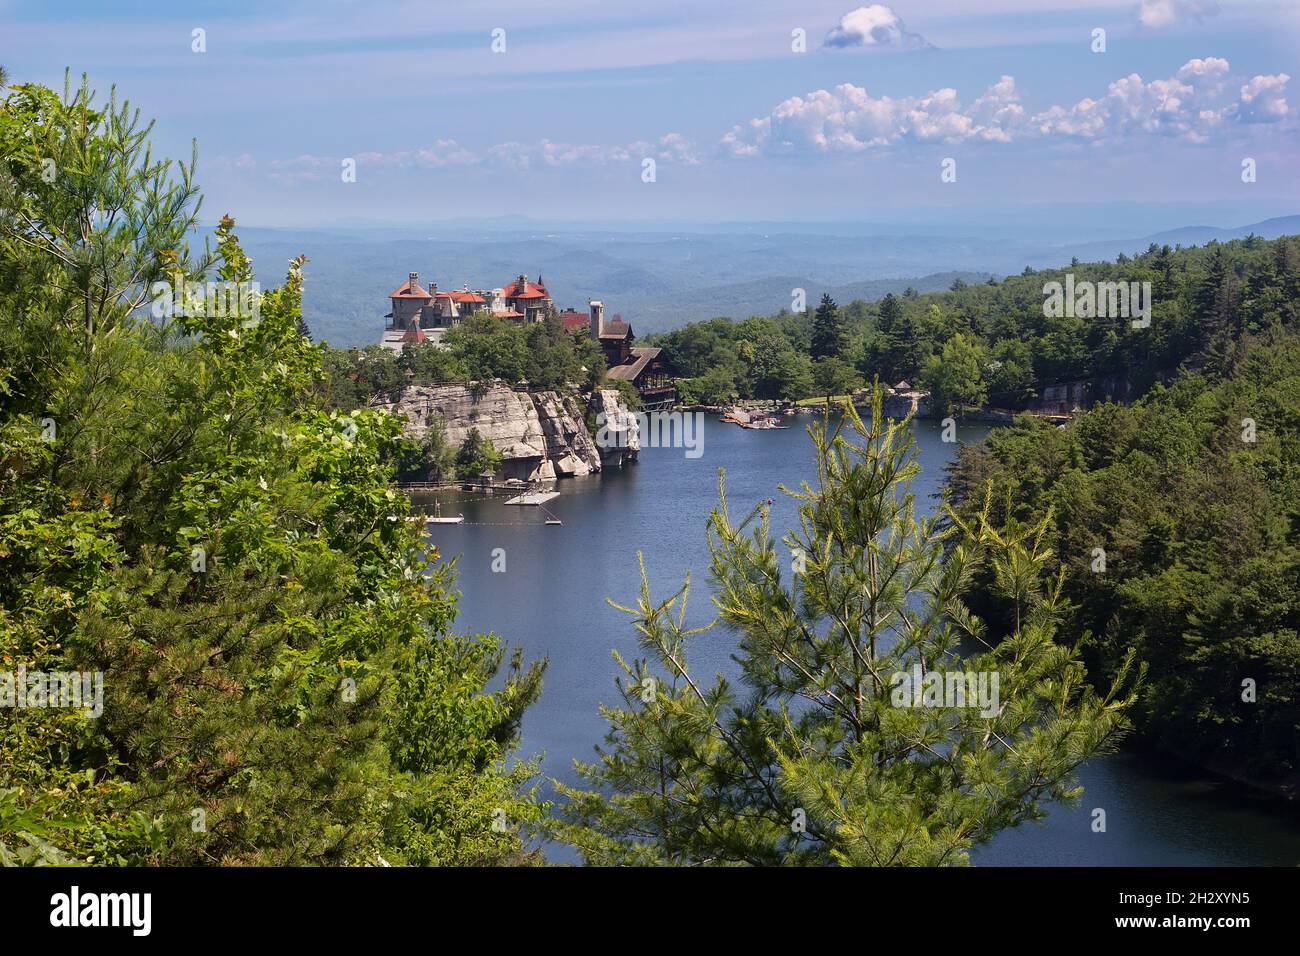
x=421, y=315
x=425, y=315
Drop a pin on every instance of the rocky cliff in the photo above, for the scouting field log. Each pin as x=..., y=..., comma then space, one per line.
x=540, y=435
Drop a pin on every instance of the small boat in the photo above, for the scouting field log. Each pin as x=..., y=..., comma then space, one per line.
x=763, y=423
x=550, y=516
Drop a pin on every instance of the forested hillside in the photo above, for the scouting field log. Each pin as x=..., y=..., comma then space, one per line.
x=1176, y=522
x=998, y=334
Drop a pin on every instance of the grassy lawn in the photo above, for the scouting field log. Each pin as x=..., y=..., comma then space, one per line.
x=821, y=400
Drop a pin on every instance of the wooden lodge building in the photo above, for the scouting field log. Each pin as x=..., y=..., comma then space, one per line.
x=646, y=368
x=425, y=315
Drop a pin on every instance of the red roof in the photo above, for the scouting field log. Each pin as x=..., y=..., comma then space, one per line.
x=413, y=335
x=466, y=296
x=404, y=291
x=575, y=321
x=520, y=288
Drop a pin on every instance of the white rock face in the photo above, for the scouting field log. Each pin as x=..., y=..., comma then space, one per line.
x=618, y=434
x=542, y=435
x=500, y=414
x=564, y=426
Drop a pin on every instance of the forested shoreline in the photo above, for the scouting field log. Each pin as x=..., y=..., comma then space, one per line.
x=1176, y=524
x=995, y=344
x=1190, y=492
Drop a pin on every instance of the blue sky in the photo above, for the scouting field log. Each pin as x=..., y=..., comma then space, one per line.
x=741, y=126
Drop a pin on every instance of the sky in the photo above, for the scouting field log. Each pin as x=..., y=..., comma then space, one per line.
x=438, y=114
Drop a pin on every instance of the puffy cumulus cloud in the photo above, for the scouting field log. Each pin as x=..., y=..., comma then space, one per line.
x=873, y=26
x=1158, y=14
x=675, y=148
x=1199, y=99
x=1263, y=99
x=849, y=119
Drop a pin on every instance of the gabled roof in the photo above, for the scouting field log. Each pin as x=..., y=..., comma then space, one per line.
x=464, y=295
x=404, y=291
x=616, y=329
x=628, y=371
x=521, y=288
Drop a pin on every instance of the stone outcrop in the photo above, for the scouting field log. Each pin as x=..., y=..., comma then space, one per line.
x=618, y=434
x=541, y=436
x=568, y=444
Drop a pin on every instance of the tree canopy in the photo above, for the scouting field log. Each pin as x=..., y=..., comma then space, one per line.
x=181, y=516
x=814, y=757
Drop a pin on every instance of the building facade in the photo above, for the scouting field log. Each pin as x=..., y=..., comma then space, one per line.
x=433, y=311
x=424, y=315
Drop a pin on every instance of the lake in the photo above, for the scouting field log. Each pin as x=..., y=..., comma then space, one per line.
x=551, y=600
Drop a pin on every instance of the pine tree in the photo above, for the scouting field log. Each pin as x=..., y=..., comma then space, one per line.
x=179, y=515
x=819, y=755
x=890, y=312
x=827, y=330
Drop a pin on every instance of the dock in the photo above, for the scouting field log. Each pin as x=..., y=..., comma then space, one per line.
x=533, y=498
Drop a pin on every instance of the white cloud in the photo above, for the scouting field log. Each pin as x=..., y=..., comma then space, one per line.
x=849, y=119
x=676, y=148
x=443, y=152
x=669, y=148
x=1193, y=104
x=873, y=26
x=1198, y=100
x=1158, y=14
x=1263, y=99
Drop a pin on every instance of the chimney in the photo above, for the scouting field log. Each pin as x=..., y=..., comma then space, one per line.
x=413, y=279
x=597, y=318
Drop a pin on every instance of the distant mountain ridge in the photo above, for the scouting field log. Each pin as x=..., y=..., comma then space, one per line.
x=662, y=280
x=1185, y=236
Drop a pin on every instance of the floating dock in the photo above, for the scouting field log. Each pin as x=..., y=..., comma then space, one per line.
x=441, y=519
x=533, y=498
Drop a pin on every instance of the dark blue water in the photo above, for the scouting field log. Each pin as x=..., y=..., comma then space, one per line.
x=551, y=599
